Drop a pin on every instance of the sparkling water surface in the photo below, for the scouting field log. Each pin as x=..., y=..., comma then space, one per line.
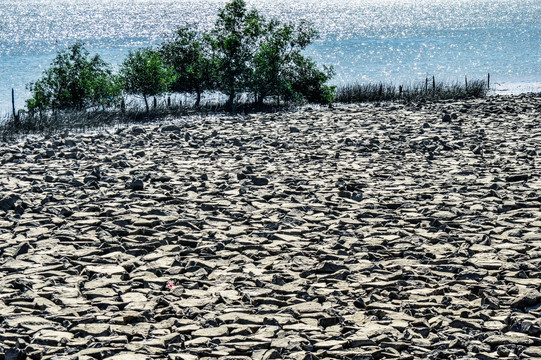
x=397, y=41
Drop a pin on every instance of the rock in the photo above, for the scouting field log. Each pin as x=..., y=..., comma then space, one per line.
x=260, y=181
x=126, y=355
x=15, y=354
x=8, y=202
x=329, y=321
x=211, y=332
x=532, y=351
x=170, y=128
x=52, y=337
x=517, y=177
x=135, y=185
x=70, y=142
x=509, y=338
x=446, y=118
x=328, y=267
x=137, y=130
x=91, y=329
x=530, y=299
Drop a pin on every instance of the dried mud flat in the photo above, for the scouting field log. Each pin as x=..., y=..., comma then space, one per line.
x=361, y=232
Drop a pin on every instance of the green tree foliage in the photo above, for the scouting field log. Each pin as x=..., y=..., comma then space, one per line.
x=265, y=57
x=278, y=64
x=309, y=82
x=74, y=81
x=188, y=54
x=233, y=40
x=144, y=73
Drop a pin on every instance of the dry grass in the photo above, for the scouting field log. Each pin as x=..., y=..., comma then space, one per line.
x=358, y=93
x=50, y=123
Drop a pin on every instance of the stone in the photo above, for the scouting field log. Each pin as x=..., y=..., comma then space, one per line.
x=8, y=202
x=211, y=332
x=530, y=299
x=260, y=181
x=137, y=130
x=517, y=177
x=328, y=267
x=509, y=338
x=532, y=351
x=135, y=185
x=170, y=128
x=125, y=355
x=52, y=337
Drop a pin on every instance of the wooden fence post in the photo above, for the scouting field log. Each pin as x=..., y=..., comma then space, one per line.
x=16, y=116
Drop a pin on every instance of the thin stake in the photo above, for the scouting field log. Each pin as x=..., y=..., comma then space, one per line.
x=488, y=82
x=15, y=117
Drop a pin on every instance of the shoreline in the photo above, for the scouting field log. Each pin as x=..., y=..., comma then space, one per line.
x=165, y=114
x=376, y=230
x=498, y=89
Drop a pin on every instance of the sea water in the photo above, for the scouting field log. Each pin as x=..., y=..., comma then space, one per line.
x=393, y=41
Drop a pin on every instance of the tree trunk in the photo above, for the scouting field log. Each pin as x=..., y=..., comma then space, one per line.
x=198, y=99
x=230, y=102
x=146, y=102
x=15, y=116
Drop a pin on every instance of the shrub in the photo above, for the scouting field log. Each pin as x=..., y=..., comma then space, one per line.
x=309, y=82
x=265, y=58
x=74, y=81
x=188, y=54
x=233, y=39
x=144, y=73
x=273, y=64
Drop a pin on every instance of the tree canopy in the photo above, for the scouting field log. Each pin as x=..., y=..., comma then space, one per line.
x=144, y=73
x=187, y=53
x=74, y=81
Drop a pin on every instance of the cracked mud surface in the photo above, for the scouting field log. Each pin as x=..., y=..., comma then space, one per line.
x=361, y=232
